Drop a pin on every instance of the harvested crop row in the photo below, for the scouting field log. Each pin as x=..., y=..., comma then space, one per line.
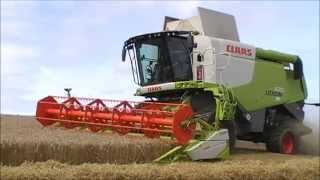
x=23, y=139
x=245, y=169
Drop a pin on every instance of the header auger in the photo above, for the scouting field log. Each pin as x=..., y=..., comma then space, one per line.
x=153, y=119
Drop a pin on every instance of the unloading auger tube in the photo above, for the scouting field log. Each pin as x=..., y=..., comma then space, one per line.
x=153, y=119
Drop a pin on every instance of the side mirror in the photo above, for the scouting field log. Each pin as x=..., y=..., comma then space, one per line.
x=298, y=69
x=124, y=53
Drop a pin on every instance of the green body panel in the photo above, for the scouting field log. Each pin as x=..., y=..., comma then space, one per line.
x=179, y=153
x=225, y=154
x=225, y=100
x=192, y=84
x=271, y=85
x=275, y=56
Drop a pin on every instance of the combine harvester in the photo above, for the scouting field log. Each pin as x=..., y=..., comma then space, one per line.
x=204, y=89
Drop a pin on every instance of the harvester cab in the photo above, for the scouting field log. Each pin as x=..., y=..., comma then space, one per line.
x=203, y=87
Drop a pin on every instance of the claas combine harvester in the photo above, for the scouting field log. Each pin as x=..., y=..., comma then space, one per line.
x=203, y=88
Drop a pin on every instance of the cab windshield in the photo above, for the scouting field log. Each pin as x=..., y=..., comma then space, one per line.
x=161, y=59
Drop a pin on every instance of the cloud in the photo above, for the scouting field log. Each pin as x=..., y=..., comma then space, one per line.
x=185, y=9
x=47, y=46
x=181, y=9
x=13, y=9
x=15, y=59
x=89, y=81
x=14, y=18
x=17, y=73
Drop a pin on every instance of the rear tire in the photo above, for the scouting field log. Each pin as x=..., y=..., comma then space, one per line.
x=282, y=140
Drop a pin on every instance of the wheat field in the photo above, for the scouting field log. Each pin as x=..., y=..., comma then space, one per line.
x=24, y=139
x=29, y=151
x=293, y=169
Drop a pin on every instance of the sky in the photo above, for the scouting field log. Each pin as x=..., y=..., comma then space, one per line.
x=47, y=46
